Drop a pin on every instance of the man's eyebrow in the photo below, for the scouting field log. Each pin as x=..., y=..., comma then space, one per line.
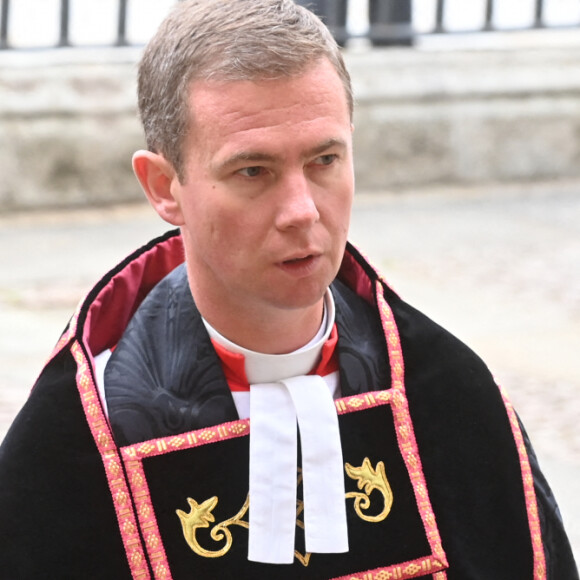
x=325, y=145
x=243, y=157
x=257, y=157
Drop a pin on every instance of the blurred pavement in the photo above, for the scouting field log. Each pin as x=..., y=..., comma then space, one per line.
x=497, y=266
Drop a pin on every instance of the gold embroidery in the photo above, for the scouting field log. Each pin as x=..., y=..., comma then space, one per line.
x=304, y=559
x=176, y=442
x=370, y=479
x=201, y=515
x=207, y=435
x=146, y=448
x=237, y=428
x=355, y=402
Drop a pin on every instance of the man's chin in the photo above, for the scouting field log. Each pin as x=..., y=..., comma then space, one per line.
x=300, y=300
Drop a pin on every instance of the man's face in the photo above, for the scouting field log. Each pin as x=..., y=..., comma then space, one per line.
x=266, y=200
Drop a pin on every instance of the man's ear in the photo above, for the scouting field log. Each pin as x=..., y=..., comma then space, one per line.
x=159, y=182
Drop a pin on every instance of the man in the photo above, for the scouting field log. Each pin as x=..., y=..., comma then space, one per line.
x=269, y=408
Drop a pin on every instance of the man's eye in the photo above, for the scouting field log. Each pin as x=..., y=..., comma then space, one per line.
x=326, y=159
x=251, y=171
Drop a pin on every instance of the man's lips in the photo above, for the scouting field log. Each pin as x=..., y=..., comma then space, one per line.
x=298, y=260
x=300, y=265
x=306, y=254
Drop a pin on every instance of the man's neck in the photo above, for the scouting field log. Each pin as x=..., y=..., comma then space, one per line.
x=265, y=330
x=284, y=333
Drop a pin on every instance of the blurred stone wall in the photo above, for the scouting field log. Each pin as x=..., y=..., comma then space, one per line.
x=68, y=124
x=68, y=128
x=466, y=117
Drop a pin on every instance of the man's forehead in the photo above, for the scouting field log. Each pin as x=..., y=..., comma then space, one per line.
x=294, y=115
x=206, y=94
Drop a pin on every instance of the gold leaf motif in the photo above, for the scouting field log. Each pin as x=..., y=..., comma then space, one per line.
x=369, y=479
x=201, y=514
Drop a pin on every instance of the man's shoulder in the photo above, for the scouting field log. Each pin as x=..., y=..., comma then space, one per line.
x=424, y=342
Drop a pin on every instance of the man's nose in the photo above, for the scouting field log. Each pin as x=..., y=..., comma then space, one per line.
x=297, y=208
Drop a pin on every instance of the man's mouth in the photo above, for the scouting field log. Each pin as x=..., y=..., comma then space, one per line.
x=298, y=260
x=301, y=265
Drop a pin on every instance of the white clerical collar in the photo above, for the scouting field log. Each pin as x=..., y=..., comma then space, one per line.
x=264, y=368
x=282, y=394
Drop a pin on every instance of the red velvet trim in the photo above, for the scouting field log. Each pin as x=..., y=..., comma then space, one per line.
x=111, y=310
x=107, y=316
x=354, y=276
x=233, y=363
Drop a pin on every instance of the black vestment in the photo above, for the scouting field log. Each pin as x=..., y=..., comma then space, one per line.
x=468, y=498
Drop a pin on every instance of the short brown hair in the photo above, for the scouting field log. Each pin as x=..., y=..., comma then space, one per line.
x=226, y=40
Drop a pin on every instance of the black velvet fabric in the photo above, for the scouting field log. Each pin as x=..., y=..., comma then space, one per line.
x=560, y=560
x=57, y=518
x=469, y=456
x=221, y=469
x=468, y=452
